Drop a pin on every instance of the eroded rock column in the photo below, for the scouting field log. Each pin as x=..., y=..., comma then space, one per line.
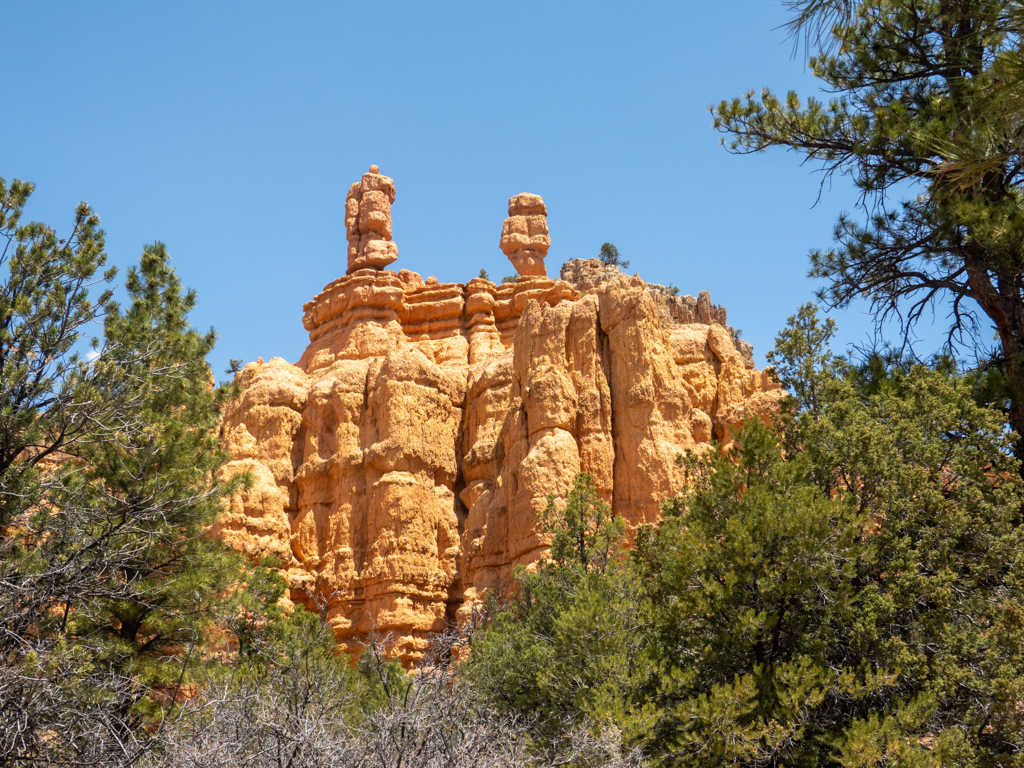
x=400, y=465
x=414, y=421
x=651, y=402
x=368, y=222
x=524, y=235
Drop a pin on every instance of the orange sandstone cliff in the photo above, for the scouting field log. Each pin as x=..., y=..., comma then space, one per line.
x=400, y=464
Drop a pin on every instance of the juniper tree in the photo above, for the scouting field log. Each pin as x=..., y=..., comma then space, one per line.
x=584, y=532
x=752, y=571
x=854, y=598
x=924, y=119
x=842, y=588
x=570, y=649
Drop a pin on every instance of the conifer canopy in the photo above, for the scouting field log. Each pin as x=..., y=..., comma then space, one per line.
x=925, y=120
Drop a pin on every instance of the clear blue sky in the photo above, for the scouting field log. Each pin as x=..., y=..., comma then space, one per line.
x=231, y=132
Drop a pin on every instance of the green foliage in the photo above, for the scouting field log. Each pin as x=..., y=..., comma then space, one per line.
x=295, y=654
x=856, y=596
x=159, y=478
x=753, y=571
x=483, y=275
x=49, y=396
x=609, y=256
x=926, y=99
x=584, y=532
x=508, y=279
x=107, y=491
x=843, y=587
x=803, y=361
x=569, y=648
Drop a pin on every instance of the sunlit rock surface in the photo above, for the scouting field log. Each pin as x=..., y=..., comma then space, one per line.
x=398, y=467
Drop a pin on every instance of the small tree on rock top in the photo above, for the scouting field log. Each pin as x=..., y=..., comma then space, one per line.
x=609, y=256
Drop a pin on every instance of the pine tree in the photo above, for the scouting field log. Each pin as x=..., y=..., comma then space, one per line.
x=609, y=256
x=172, y=579
x=106, y=489
x=925, y=109
x=51, y=399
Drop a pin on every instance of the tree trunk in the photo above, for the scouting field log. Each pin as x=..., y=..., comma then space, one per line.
x=1015, y=377
x=1002, y=303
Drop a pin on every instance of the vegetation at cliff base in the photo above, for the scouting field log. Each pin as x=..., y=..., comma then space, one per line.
x=840, y=585
x=842, y=588
x=106, y=488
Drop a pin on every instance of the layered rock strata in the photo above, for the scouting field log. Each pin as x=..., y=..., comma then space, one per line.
x=398, y=467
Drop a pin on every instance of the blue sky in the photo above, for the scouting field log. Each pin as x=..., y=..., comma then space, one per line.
x=231, y=132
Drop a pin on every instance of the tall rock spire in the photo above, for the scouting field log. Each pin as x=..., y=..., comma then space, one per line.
x=524, y=235
x=368, y=222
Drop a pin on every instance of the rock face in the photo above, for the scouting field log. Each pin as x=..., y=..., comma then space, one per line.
x=524, y=235
x=399, y=466
x=368, y=222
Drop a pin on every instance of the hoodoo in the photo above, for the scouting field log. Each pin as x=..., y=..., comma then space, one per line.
x=524, y=235
x=400, y=464
x=368, y=222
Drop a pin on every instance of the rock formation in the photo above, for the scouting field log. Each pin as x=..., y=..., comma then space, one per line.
x=398, y=467
x=524, y=235
x=368, y=222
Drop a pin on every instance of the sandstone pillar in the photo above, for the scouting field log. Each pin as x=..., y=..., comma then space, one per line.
x=524, y=235
x=368, y=222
